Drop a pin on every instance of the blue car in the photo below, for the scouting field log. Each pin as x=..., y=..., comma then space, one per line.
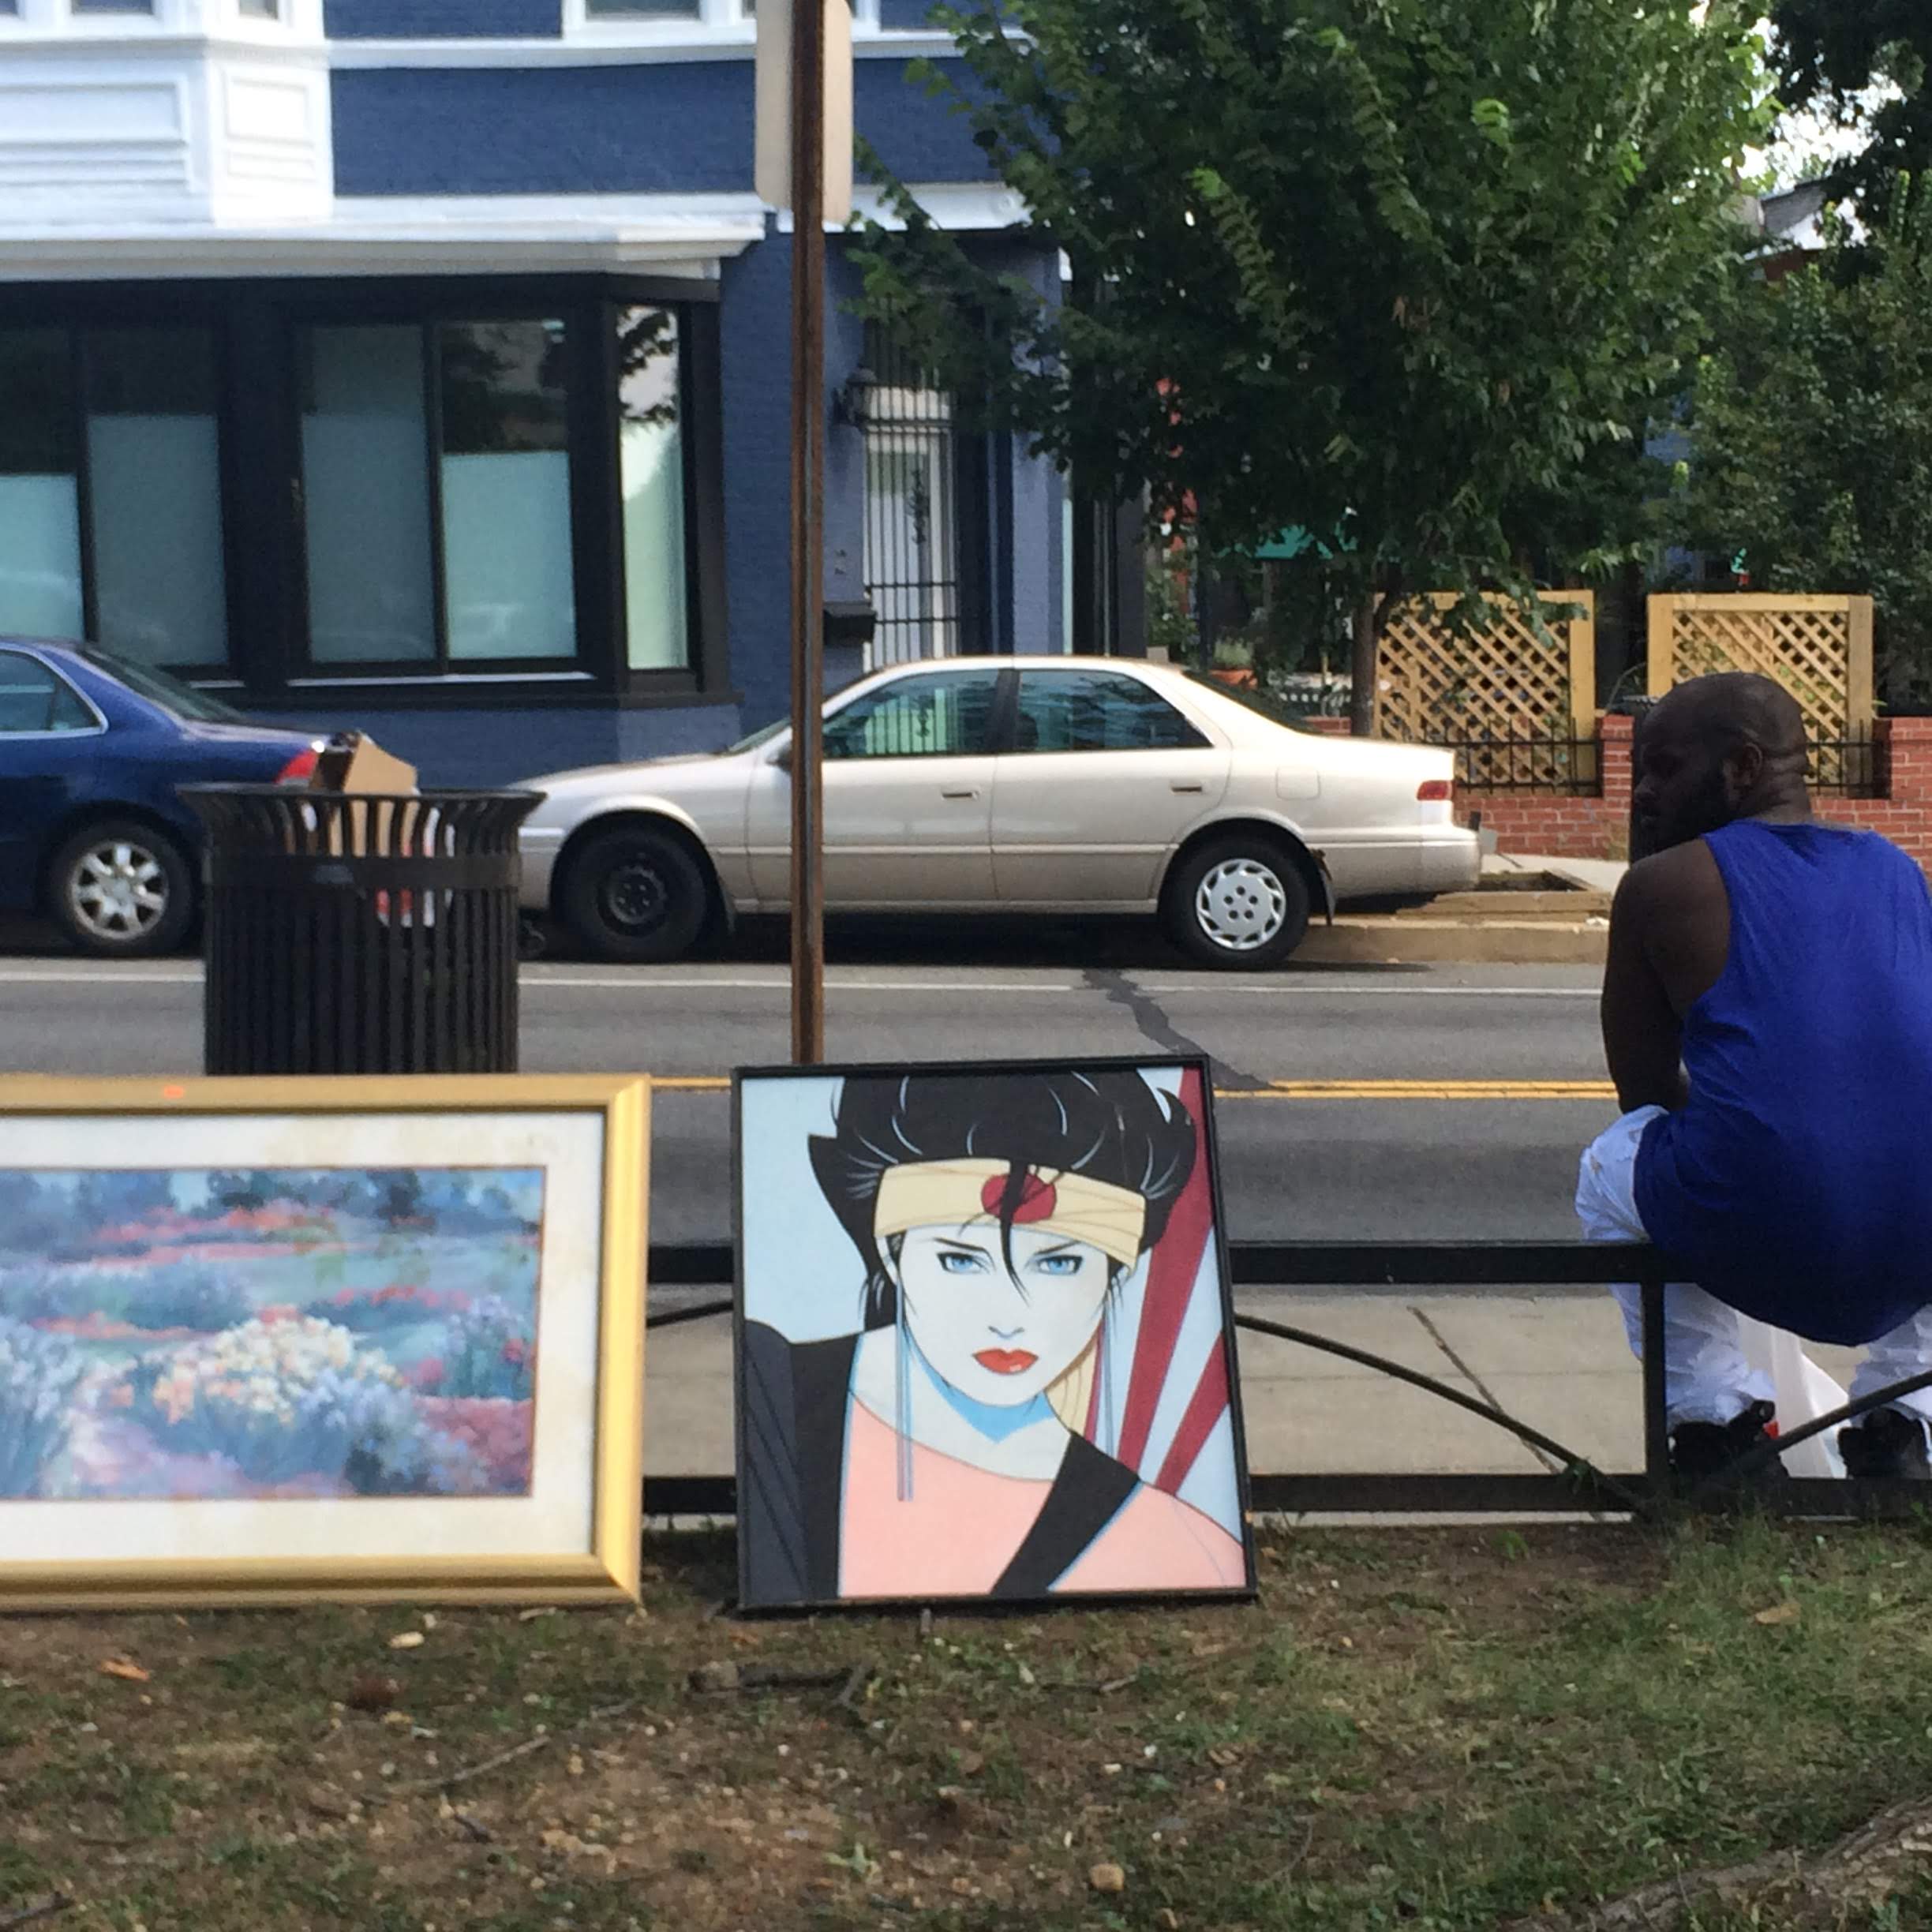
x=92, y=832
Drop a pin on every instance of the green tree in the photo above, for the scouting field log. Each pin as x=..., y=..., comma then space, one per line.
x=1811, y=433
x=1833, y=54
x=1395, y=272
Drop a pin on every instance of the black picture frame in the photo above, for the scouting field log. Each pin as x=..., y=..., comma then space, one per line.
x=1196, y=1064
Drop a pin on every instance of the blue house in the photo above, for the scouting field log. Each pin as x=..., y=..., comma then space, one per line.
x=422, y=366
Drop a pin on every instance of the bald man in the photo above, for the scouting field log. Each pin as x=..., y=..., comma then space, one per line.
x=1767, y=1015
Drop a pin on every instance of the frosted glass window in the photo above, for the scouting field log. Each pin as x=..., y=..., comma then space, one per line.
x=39, y=487
x=508, y=586
x=365, y=487
x=154, y=489
x=651, y=452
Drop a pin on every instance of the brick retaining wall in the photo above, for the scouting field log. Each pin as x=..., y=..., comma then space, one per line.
x=1549, y=825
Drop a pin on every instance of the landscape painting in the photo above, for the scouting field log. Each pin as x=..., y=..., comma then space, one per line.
x=278, y=1334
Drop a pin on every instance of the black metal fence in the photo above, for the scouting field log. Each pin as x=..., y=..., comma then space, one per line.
x=912, y=548
x=1549, y=762
x=1572, y=1485
x=1847, y=767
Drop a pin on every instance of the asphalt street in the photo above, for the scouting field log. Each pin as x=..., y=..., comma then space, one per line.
x=1356, y=1104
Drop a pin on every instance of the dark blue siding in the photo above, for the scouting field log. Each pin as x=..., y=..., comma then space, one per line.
x=918, y=136
x=652, y=128
x=566, y=130
x=479, y=19
x=754, y=326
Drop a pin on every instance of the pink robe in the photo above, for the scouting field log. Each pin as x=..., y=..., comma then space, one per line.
x=962, y=1526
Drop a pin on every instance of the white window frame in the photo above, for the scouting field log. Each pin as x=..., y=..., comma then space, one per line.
x=223, y=19
x=729, y=20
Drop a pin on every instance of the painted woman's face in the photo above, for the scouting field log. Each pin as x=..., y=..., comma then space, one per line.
x=999, y=1336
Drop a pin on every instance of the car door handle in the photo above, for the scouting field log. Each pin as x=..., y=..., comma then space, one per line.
x=1187, y=785
x=971, y=791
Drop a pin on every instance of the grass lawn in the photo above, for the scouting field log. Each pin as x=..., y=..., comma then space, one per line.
x=1440, y=1728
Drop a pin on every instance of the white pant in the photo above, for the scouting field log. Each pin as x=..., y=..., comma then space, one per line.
x=1708, y=1376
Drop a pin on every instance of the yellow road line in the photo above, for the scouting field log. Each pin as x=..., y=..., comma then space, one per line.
x=1302, y=1090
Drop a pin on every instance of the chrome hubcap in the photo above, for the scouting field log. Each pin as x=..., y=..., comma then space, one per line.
x=1241, y=904
x=119, y=890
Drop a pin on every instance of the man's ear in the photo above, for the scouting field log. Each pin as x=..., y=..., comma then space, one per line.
x=1744, y=769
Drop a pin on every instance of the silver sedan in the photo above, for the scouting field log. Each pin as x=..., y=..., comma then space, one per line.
x=1011, y=785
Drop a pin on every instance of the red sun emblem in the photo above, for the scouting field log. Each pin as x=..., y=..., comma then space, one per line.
x=1038, y=1198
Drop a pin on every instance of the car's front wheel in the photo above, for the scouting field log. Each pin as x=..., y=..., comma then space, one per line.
x=121, y=889
x=634, y=893
x=1239, y=902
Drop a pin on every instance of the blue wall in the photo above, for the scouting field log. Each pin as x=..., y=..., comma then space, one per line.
x=650, y=128
x=559, y=130
x=497, y=747
x=755, y=331
x=479, y=19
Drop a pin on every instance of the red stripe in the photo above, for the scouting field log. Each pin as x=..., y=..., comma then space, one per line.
x=1172, y=1270
x=1204, y=1410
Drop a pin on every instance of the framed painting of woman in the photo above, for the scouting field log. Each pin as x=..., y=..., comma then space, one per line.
x=984, y=1337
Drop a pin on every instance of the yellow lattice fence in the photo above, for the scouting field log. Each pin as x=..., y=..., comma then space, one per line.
x=1818, y=648
x=1530, y=698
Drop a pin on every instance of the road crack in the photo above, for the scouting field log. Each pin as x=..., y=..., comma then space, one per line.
x=1482, y=1388
x=1150, y=1018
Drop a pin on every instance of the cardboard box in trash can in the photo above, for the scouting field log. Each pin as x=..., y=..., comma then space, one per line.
x=352, y=763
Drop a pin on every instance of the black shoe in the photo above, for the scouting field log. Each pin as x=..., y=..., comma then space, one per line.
x=1889, y=1443
x=1700, y=1451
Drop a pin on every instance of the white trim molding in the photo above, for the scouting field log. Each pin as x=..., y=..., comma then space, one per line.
x=954, y=206
x=667, y=41
x=684, y=235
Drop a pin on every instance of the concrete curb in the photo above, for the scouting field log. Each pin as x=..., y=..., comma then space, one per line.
x=1409, y=939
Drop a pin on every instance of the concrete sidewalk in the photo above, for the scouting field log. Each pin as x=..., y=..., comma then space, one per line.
x=1559, y=1364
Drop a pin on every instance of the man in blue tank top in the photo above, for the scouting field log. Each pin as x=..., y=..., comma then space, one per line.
x=1767, y=1015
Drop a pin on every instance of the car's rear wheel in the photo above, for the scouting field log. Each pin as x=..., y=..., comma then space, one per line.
x=121, y=889
x=634, y=893
x=1238, y=903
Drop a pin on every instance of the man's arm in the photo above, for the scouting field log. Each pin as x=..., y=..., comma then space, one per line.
x=1643, y=1036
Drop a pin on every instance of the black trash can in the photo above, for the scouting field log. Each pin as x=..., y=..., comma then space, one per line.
x=356, y=933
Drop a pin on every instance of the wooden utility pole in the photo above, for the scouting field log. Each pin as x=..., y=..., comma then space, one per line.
x=808, y=255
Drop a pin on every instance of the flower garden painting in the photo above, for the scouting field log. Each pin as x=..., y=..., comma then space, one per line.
x=283, y=1332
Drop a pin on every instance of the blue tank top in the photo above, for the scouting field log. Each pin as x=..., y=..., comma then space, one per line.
x=1797, y=1183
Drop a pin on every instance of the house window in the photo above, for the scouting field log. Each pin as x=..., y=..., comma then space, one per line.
x=113, y=7
x=260, y=9
x=435, y=491
x=112, y=434
x=650, y=448
x=620, y=10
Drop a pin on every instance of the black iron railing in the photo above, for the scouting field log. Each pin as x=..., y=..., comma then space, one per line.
x=1573, y=1484
x=1552, y=762
x=1847, y=767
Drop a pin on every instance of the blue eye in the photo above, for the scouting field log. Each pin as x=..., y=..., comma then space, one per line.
x=1059, y=1264
x=953, y=1262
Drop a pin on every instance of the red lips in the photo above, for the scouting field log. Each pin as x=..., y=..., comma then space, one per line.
x=1006, y=1362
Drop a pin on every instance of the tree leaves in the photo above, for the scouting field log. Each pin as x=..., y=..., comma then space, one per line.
x=1411, y=276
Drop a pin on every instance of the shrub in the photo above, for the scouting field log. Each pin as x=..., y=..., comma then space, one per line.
x=286, y=1399
x=39, y=1374
x=489, y=1353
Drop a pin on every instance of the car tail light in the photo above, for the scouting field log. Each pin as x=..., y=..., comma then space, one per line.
x=300, y=768
x=1435, y=791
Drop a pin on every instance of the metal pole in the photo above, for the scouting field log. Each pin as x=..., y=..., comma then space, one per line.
x=807, y=200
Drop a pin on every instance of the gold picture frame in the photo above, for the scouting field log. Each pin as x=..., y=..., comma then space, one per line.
x=308, y=1538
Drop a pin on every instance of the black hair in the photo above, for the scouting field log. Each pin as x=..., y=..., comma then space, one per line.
x=1109, y=1125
